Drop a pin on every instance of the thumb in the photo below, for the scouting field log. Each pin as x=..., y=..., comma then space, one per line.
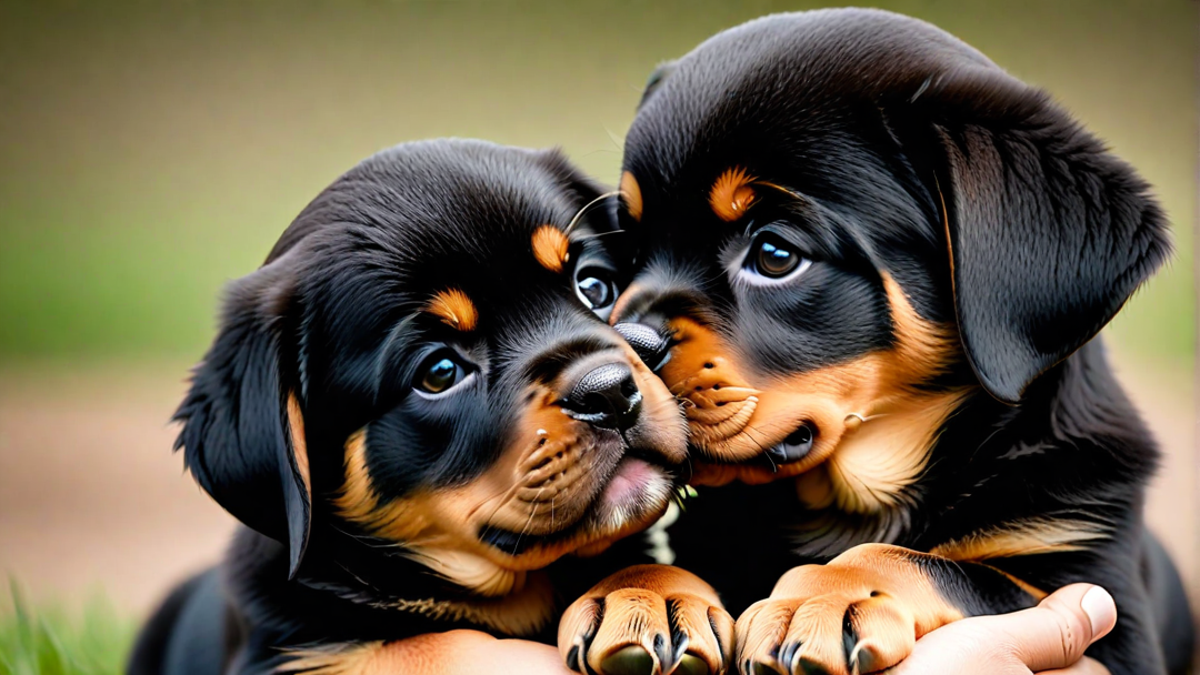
x=1056, y=632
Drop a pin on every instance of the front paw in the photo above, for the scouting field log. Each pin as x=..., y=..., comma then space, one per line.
x=860, y=613
x=648, y=620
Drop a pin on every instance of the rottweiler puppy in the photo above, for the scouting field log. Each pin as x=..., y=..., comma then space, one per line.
x=416, y=410
x=871, y=264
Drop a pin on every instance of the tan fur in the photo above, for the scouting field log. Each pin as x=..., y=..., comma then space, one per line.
x=1027, y=537
x=635, y=613
x=894, y=603
x=351, y=659
x=539, y=485
x=631, y=193
x=455, y=309
x=550, y=248
x=731, y=194
x=453, y=651
x=874, y=426
x=299, y=442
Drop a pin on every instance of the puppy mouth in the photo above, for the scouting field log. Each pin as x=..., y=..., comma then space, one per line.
x=795, y=447
x=601, y=458
x=634, y=492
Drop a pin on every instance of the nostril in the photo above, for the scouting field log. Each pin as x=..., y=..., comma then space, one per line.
x=595, y=403
x=629, y=388
x=647, y=342
x=606, y=396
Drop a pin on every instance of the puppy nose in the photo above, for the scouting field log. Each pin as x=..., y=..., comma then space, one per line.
x=650, y=346
x=606, y=397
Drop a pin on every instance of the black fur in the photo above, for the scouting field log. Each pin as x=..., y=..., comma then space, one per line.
x=335, y=321
x=872, y=121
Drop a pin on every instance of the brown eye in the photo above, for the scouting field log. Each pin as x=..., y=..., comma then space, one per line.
x=773, y=258
x=439, y=373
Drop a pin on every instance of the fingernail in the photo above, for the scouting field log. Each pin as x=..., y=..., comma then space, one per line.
x=1101, y=611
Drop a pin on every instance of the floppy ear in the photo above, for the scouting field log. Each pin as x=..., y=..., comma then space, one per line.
x=661, y=72
x=1049, y=234
x=243, y=429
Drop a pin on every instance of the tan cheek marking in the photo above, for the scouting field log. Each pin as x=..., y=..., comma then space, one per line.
x=631, y=193
x=436, y=526
x=731, y=194
x=538, y=485
x=550, y=248
x=455, y=309
x=875, y=429
x=299, y=442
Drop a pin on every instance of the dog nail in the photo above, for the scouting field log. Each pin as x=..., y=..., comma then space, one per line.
x=691, y=664
x=631, y=660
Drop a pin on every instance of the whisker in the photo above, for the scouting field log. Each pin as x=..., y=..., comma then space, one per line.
x=616, y=140
x=586, y=207
x=588, y=237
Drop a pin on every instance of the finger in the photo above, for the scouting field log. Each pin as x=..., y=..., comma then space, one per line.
x=1085, y=666
x=1056, y=632
x=460, y=652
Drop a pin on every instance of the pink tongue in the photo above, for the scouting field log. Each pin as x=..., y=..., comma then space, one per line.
x=633, y=475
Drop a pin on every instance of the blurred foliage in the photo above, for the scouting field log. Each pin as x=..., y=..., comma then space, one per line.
x=149, y=152
x=53, y=641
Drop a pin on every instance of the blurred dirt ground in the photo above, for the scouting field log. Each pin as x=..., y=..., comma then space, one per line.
x=92, y=499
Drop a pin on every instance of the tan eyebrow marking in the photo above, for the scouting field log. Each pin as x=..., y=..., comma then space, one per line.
x=455, y=309
x=632, y=194
x=732, y=194
x=550, y=248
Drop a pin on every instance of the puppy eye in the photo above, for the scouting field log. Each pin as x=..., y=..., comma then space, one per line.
x=596, y=288
x=773, y=258
x=439, y=373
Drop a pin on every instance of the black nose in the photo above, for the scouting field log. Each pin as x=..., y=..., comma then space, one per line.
x=606, y=397
x=650, y=346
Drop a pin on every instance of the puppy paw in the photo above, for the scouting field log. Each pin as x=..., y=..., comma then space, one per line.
x=860, y=613
x=648, y=620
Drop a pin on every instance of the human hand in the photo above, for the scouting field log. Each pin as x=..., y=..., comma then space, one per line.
x=464, y=652
x=1048, y=639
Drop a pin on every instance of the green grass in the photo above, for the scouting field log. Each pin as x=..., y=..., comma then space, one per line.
x=52, y=640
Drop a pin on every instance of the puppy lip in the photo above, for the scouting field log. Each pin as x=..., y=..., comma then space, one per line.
x=795, y=447
x=630, y=481
x=627, y=481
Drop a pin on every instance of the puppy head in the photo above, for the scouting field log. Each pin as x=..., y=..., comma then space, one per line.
x=421, y=360
x=848, y=220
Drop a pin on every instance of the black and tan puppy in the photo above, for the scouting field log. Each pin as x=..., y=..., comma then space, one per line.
x=872, y=263
x=415, y=410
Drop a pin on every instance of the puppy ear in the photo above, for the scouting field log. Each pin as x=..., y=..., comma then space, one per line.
x=656, y=78
x=243, y=429
x=1049, y=234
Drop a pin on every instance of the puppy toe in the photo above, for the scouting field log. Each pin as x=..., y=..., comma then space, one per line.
x=701, y=636
x=634, y=637
x=878, y=633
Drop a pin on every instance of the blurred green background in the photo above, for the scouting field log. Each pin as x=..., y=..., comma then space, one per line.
x=152, y=151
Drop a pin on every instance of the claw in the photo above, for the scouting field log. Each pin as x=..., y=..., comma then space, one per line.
x=808, y=667
x=762, y=669
x=691, y=664
x=863, y=659
x=631, y=660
